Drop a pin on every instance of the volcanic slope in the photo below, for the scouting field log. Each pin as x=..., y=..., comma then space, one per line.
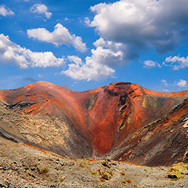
x=121, y=121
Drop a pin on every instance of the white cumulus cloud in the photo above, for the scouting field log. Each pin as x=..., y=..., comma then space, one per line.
x=175, y=85
x=165, y=82
x=100, y=64
x=41, y=9
x=176, y=62
x=151, y=64
x=142, y=24
x=4, y=11
x=90, y=70
x=108, y=52
x=59, y=36
x=24, y=58
x=182, y=83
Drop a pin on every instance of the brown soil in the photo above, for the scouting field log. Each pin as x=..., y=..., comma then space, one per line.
x=29, y=167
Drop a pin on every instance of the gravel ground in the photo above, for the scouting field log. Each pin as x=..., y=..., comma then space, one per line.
x=29, y=167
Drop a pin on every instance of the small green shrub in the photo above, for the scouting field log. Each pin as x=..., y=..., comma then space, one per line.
x=44, y=170
x=81, y=164
x=94, y=172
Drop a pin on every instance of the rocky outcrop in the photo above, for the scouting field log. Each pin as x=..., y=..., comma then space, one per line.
x=121, y=121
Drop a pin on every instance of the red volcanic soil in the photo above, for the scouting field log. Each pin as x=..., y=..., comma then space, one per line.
x=122, y=120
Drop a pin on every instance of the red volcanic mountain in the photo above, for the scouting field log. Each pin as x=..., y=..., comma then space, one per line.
x=122, y=121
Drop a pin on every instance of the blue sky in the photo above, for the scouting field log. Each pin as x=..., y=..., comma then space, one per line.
x=83, y=44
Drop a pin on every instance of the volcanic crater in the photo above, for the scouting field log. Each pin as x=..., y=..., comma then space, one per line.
x=120, y=121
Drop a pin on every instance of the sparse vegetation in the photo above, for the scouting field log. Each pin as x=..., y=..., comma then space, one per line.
x=44, y=170
x=102, y=180
x=177, y=171
x=105, y=173
x=122, y=173
x=128, y=181
x=94, y=172
x=81, y=164
x=32, y=166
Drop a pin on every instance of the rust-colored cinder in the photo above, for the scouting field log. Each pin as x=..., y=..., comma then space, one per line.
x=123, y=120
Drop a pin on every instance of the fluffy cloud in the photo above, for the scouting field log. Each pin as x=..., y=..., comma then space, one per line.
x=90, y=70
x=4, y=11
x=108, y=52
x=100, y=64
x=41, y=9
x=182, y=83
x=142, y=24
x=151, y=64
x=24, y=58
x=59, y=36
x=165, y=82
x=176, y=62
